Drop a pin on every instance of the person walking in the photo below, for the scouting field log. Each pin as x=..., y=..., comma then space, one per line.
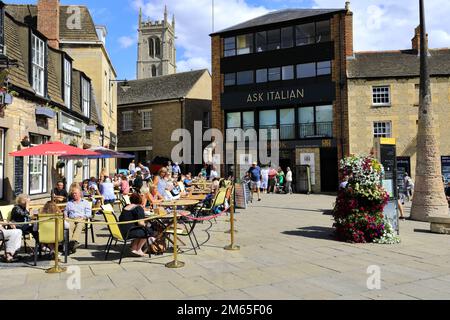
x=132, y=167
x=255, y=176
x=409, y=186
x=288, y=181
x=265, y=179
x=272, y=180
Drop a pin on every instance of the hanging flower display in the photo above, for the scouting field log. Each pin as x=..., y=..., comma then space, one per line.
x=358, y=212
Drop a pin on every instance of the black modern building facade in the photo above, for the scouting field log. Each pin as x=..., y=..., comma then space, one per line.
x=286, y=71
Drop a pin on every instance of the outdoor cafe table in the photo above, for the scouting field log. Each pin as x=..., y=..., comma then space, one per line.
x=199, y=197
x=174, y=204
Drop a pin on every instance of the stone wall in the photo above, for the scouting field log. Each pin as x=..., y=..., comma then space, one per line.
x=403, y=113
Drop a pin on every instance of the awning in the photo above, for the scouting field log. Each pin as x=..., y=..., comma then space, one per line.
x=46, y=112
x=53, y=149
x=103, y=153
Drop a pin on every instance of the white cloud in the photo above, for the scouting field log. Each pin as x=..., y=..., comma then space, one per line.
x=390, y=24
x=126, y=42
x=378, y=24
x=194, y=24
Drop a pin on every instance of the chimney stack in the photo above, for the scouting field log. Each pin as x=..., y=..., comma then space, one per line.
x=48, y=21
x=416, y=40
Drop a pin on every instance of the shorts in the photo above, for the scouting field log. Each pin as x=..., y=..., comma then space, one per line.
x=255, y=184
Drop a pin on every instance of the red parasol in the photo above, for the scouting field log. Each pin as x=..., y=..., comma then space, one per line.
x=53, y=149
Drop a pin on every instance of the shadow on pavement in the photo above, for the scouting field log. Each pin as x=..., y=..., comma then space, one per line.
x=313, y=232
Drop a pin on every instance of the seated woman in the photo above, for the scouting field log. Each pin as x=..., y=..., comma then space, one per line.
x=21, y=213
x=134, y=211
x=85, y=189
x=153, y=197
x=13, y=238
x=124, y=185
x=107, y=191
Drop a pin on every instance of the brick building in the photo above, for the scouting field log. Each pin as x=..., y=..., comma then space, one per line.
x=384, y=99
x=287, y=70
x=54, y=102
x=151, y=109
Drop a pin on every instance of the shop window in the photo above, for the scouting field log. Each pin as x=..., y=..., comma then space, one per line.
x=233, y=120
x=316, y=121
x=287, y=124
x=127, y=121
x=248, y=118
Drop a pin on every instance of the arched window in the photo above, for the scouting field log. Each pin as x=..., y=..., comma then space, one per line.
x=154, y=71
x=151, y=47
x=157, y=47
x=170, y=49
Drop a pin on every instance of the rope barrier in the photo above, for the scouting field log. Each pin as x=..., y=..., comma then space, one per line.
x=205, y=218
x=118, y=222
x=25, y=223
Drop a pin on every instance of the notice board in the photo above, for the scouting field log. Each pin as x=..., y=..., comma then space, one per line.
x=240, y=196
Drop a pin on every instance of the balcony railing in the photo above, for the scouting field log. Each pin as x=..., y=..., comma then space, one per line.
x=316, y=130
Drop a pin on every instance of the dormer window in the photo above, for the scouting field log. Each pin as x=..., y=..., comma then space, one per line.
x=86, y=97
x=38, y=48
x=67, y=83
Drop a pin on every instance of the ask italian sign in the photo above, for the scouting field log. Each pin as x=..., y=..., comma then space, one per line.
x=268, y=97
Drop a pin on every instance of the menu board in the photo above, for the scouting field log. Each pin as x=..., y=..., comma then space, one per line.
x=445, y=161
x=240, y=196
x=18, y=176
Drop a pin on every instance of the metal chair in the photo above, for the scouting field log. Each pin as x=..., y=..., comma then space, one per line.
x=5, y=215
x=115, y=234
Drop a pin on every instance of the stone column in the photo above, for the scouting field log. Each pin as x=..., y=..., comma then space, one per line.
x=429, y=199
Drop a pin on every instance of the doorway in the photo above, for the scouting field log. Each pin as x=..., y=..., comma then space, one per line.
x=329, y=177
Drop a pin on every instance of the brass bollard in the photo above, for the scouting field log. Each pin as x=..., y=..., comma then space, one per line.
x=56, y=268
x=232, y=246
x=175, y=263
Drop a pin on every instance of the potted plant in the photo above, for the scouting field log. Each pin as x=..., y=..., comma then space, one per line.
x=73, y=143
x=79, y=164
x=60, y=164
x=25, y=142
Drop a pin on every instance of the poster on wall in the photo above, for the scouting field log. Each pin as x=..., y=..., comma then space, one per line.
x=445, y=162
x=309, y=160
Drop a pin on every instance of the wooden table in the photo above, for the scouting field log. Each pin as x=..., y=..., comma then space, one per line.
x=199, y=197
x=174, y=204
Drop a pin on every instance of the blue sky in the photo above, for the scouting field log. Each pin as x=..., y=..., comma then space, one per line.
x=378, y=24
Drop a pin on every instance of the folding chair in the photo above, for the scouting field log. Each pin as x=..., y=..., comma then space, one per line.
x=187, y=231
x=115, y=234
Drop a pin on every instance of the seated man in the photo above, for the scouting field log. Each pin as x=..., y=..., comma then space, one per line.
x=78, y=209
x=59, y=194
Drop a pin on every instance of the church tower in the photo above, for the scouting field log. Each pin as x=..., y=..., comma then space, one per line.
x=156, y=47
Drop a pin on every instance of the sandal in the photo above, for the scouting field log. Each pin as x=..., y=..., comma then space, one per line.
x=9, y=258
x=137, y=254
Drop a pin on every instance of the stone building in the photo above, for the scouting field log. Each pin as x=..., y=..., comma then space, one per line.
x=54, y=102
x=287, y=70
x=153, y=108
x=156, y=47
x=383, y=101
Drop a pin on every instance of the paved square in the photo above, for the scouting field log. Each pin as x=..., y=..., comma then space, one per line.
x=287, y=252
